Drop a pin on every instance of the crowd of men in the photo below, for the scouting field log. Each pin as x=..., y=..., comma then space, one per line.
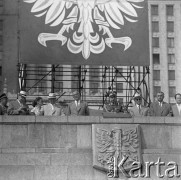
x=80, y=108
x=52, y=108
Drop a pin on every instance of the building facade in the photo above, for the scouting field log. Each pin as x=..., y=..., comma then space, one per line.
x=165, y=57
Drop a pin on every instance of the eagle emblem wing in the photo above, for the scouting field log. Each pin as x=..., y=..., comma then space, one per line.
x=91, y=16
x=105, y=145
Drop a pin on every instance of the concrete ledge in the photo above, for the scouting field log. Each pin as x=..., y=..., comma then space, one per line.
x=83, y=119
x=78, y=120
x=51, y=119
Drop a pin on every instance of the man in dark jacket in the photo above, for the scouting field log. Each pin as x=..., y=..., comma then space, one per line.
x=77, y=107
x=160, y=108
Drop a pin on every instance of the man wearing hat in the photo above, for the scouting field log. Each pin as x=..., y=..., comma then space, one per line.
x=138, y=110
x=77, y=107
x=112, y=105
x=3, y=104
x=19, y=106
x=52, y=108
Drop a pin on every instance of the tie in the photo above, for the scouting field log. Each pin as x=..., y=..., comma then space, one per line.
x=139, y=109
x=160, y=104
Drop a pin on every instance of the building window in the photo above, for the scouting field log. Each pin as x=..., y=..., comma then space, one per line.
x=172, y=91
x=94, y=87
x=94, y=72
x=171, y=75
x=119, y=87
x=75, y=78
x=59, y=86
x=171, y=58
x=155, y=26
x=169, y=10
x=170, y=42
x=155, y=42
x=170, y=26
x=120, y=70
x=156, y=75
x=42, y=86
x=156, y=90
x=75, y=85
x=59, y=71
x=154, y=10
x=156, y=58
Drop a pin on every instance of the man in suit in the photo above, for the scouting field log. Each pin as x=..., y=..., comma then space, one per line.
x=77, y=107
x=138, y=110
x=176, y=109
x=160, y=108
x=19, y=106
x=3, y=104
x=52, y=108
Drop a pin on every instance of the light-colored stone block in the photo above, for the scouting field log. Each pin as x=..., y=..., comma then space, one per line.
x=36, y=135
x=1, y=136
x=17, y=173
x=83, y=119
x=33, y=159
x=50, y=173
x=116, y=120
x=156, y=120
x=142, y=120
x=18, y=150
x=80, y=173
x=156, y=136
x=8, y=159
x=54, y=137
x=52, y=119
x=84, y=138
x=71, y=159
x=14, y=136
x=18, y=119
x=173, y=120
x=51, y=150
x=176, y=137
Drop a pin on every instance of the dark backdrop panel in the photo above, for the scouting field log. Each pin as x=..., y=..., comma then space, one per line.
x=32, y=52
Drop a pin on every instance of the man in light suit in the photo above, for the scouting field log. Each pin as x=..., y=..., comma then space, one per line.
x=138, y=110
x=160, y=108
x=52, y=109
x=77, y=107
x=176, y=109
x=19, y=106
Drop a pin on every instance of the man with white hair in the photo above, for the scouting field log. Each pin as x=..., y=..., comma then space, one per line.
x=19, y=106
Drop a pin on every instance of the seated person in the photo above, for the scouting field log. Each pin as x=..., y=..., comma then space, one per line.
x=52, y=108
x=19, y=106
x=38, y=107
x=77, y=107
x=112, y=105
x=3, y=104
x=138, y=110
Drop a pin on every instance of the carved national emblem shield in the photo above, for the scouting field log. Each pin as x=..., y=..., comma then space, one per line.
x=115, y=142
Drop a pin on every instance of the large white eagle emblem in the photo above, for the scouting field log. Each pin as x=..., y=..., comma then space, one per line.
x=84, y=18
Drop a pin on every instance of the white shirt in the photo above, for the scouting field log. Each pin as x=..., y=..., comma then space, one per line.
x=160, y=103
x=179, y=108
x=77, y=103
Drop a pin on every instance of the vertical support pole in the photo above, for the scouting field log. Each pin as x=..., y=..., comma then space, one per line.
x=53, y=79
x=79, y=78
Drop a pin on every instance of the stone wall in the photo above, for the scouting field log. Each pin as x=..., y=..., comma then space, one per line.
x=60, y=148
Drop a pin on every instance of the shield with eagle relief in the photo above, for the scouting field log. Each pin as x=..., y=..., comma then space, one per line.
x=84, y=32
